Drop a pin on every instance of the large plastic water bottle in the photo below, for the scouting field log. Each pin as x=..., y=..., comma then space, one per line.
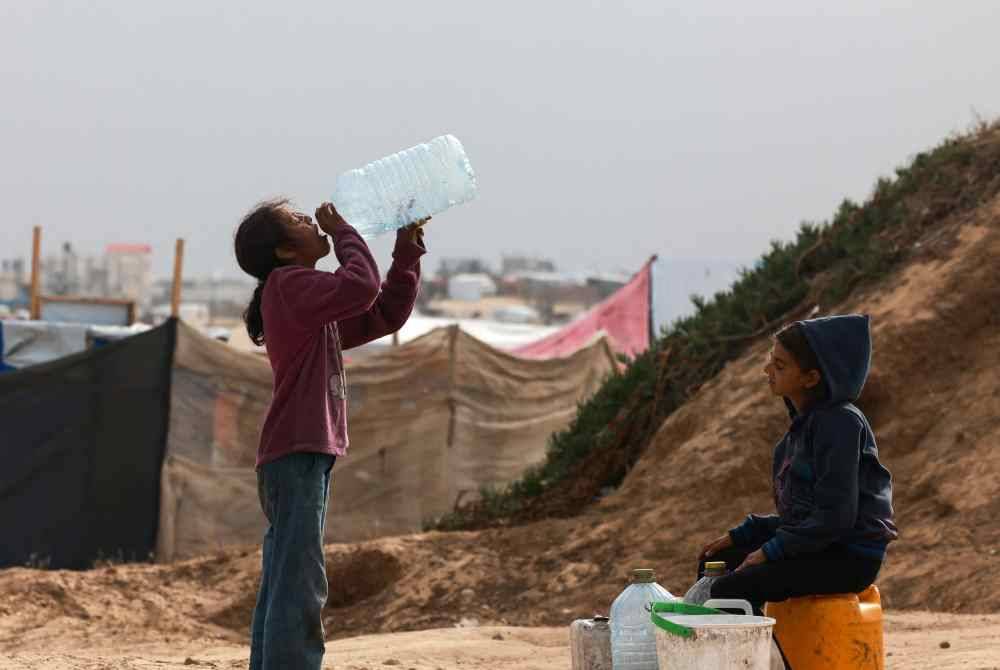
x=633, y=634
x=407, y=186
x=702, y=589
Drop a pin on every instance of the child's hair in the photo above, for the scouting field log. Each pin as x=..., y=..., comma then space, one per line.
x=793, y=338
x=259, y=235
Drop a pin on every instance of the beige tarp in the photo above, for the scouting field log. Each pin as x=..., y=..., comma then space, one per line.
x=430, y=421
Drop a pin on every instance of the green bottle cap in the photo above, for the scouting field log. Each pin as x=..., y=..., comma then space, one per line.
x=643, y=575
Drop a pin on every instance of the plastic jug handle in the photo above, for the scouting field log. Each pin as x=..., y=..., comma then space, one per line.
x=677, y=607
x=728, y=603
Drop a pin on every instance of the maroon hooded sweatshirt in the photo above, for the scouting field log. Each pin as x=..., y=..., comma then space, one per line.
x=309, y=317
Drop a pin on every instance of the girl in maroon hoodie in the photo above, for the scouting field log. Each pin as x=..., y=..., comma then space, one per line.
x=306, y=317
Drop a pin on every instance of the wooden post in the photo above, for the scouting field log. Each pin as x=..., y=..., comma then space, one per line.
x=36, y=270
x=175, y=298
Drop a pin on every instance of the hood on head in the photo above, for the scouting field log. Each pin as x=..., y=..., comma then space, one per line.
x=843, y=345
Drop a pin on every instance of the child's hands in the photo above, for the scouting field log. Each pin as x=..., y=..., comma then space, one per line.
x=415, y=231
x=715, y=546
x=756, y=558
x=328, y=219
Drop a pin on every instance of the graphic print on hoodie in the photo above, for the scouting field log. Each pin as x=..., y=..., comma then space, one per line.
x=829, y=486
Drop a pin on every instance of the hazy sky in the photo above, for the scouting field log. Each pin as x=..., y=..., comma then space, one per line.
x=602, y=132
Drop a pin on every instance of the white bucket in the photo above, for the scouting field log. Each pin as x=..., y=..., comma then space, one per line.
x=719, y=641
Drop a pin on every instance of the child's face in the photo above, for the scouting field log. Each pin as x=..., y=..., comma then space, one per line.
x=306, y=244
x=785, y=377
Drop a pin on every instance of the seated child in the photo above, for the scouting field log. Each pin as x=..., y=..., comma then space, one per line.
x=833, y=496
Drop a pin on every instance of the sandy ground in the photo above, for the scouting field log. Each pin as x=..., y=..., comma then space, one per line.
x=915, y=640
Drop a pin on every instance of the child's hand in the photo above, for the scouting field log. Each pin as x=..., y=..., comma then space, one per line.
x=756, y=558
x=328, y=219
x=715, y=546
x=415, y=230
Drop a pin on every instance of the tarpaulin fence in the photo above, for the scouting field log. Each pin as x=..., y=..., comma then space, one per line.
x=430, y=421
x=82, y=441
x=148, y=443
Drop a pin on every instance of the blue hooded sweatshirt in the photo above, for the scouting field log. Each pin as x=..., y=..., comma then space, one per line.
x=829, y=487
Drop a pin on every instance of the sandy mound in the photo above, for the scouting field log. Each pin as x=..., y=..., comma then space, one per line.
x=934, y=401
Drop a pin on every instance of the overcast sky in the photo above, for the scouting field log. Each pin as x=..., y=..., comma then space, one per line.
x=602, y=132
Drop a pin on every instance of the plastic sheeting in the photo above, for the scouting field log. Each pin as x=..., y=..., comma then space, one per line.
x=26, y=343
x=32, y=342
x=431, y=422
x=82, y=441
x=625, y=316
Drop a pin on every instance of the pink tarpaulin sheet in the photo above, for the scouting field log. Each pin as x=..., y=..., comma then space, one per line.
x=624, y=316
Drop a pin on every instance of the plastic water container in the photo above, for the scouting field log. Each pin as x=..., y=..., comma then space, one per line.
x=590, y=644
x=840, y=631
x=633, y=635
x=413, y=184
x=702, y=589
x=692, y=637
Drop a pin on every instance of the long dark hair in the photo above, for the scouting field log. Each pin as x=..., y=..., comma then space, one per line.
x=259, y=235
x=792, y=337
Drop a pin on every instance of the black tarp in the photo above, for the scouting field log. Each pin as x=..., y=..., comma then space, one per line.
x=81, y=446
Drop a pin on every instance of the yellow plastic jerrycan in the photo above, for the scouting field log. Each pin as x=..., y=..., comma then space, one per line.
x=834, y=632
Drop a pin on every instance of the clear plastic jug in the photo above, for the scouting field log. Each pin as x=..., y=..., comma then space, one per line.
x=702, y=589
x=407, y=186
x=633, y=635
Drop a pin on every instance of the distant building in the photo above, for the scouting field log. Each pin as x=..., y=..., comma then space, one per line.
x=516, y=314
x=124, y=271
x=536, y=279
x=193, y=313
x=129, y=273
x=224, y=297
x=454, y=266
x=514, y=263
x=12, y=282
x=61, y=274
x=606, y=284
x=68, y=273
x=471, y=286
x=95, y=276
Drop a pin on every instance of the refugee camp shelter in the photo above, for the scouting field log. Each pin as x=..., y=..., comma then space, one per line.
x=145, y=446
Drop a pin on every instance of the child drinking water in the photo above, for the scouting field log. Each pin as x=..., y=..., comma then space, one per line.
x=833, y=496
x=305, y=317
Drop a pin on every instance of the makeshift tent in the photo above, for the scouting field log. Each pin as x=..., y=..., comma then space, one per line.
x=431, y=421
x=82, y=442
x=24, y=343
x=625, y=316
x=150, y=441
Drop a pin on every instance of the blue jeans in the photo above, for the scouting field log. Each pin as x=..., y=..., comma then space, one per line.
x=287, y=629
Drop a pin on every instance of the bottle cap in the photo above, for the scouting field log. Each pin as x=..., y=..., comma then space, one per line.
x=715, y=566
x=643, y=575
